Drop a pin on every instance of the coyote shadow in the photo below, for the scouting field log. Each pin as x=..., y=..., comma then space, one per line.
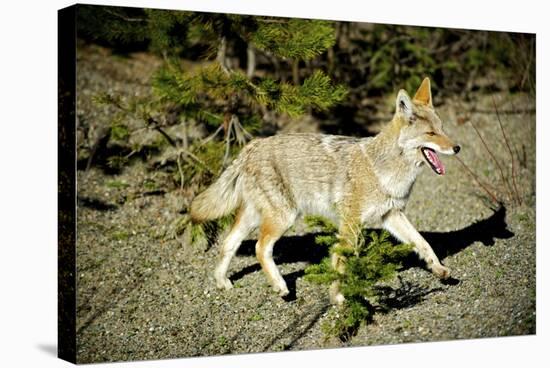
x=291, y=249
x=485, y=231
x=448, y=243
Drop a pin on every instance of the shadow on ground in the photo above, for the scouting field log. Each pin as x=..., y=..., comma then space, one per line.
x=292, y=249
x=484, y=231
x=449, y=243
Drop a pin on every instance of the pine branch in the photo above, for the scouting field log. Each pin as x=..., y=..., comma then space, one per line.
x=120, y=16
x=295, y=38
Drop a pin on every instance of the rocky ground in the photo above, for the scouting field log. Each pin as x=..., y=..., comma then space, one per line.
x=142, y=295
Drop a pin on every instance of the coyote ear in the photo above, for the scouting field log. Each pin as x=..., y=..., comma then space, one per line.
x=424, y=93
x=404, y=104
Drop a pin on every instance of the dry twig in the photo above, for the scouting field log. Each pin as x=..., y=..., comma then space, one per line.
x=516, y=192
x=474, y=176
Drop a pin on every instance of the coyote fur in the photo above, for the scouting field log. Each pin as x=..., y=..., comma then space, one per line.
x=355, y=182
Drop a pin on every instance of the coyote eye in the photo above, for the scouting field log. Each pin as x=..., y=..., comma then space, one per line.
x=431, y=133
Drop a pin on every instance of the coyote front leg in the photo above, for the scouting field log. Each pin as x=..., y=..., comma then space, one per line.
x=397, y=223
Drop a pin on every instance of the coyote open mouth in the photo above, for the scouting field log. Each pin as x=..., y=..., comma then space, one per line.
x=433, y=160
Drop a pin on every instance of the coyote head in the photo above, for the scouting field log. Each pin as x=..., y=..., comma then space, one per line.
x=421, y=136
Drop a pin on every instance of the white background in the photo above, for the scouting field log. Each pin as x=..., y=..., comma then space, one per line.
x=28, y=180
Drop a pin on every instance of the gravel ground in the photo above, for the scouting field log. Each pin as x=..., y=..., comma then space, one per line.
x=141, y=296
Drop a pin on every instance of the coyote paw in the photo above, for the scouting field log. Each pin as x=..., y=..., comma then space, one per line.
x=441, y=271
x=337, y=299
x=335, y=295
x=281, y=290
x=224, y=283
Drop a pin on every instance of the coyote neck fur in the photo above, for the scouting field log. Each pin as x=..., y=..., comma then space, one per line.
x=395, y=168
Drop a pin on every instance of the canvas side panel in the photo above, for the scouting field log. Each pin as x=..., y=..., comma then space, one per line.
x=66, y=160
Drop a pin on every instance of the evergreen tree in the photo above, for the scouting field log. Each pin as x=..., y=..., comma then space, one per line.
x=228, y=100
x=371, y=259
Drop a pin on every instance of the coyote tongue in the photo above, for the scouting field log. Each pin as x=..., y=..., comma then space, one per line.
x=433, y=160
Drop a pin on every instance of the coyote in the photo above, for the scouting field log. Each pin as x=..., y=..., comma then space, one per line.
x=355, y=182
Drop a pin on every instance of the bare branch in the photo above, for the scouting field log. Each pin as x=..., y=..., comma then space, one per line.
x=511, y=154
x=512, y=111
x=187, y=154
x=211, y=136
x=474, y=176
x=502, y=176
x=227, y=142
x=156, y=126
x=221, y=55
x=127, y=19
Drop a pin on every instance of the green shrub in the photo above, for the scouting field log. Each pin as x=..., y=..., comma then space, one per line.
x=371, y=260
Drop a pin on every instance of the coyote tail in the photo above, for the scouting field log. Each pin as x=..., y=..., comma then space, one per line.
x=220, y=198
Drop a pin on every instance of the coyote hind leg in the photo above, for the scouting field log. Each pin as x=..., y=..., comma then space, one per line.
x=245, y=221
x=270, y=231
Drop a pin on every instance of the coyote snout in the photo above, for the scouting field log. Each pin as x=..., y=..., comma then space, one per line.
x=353, y=181
x=439, y=143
